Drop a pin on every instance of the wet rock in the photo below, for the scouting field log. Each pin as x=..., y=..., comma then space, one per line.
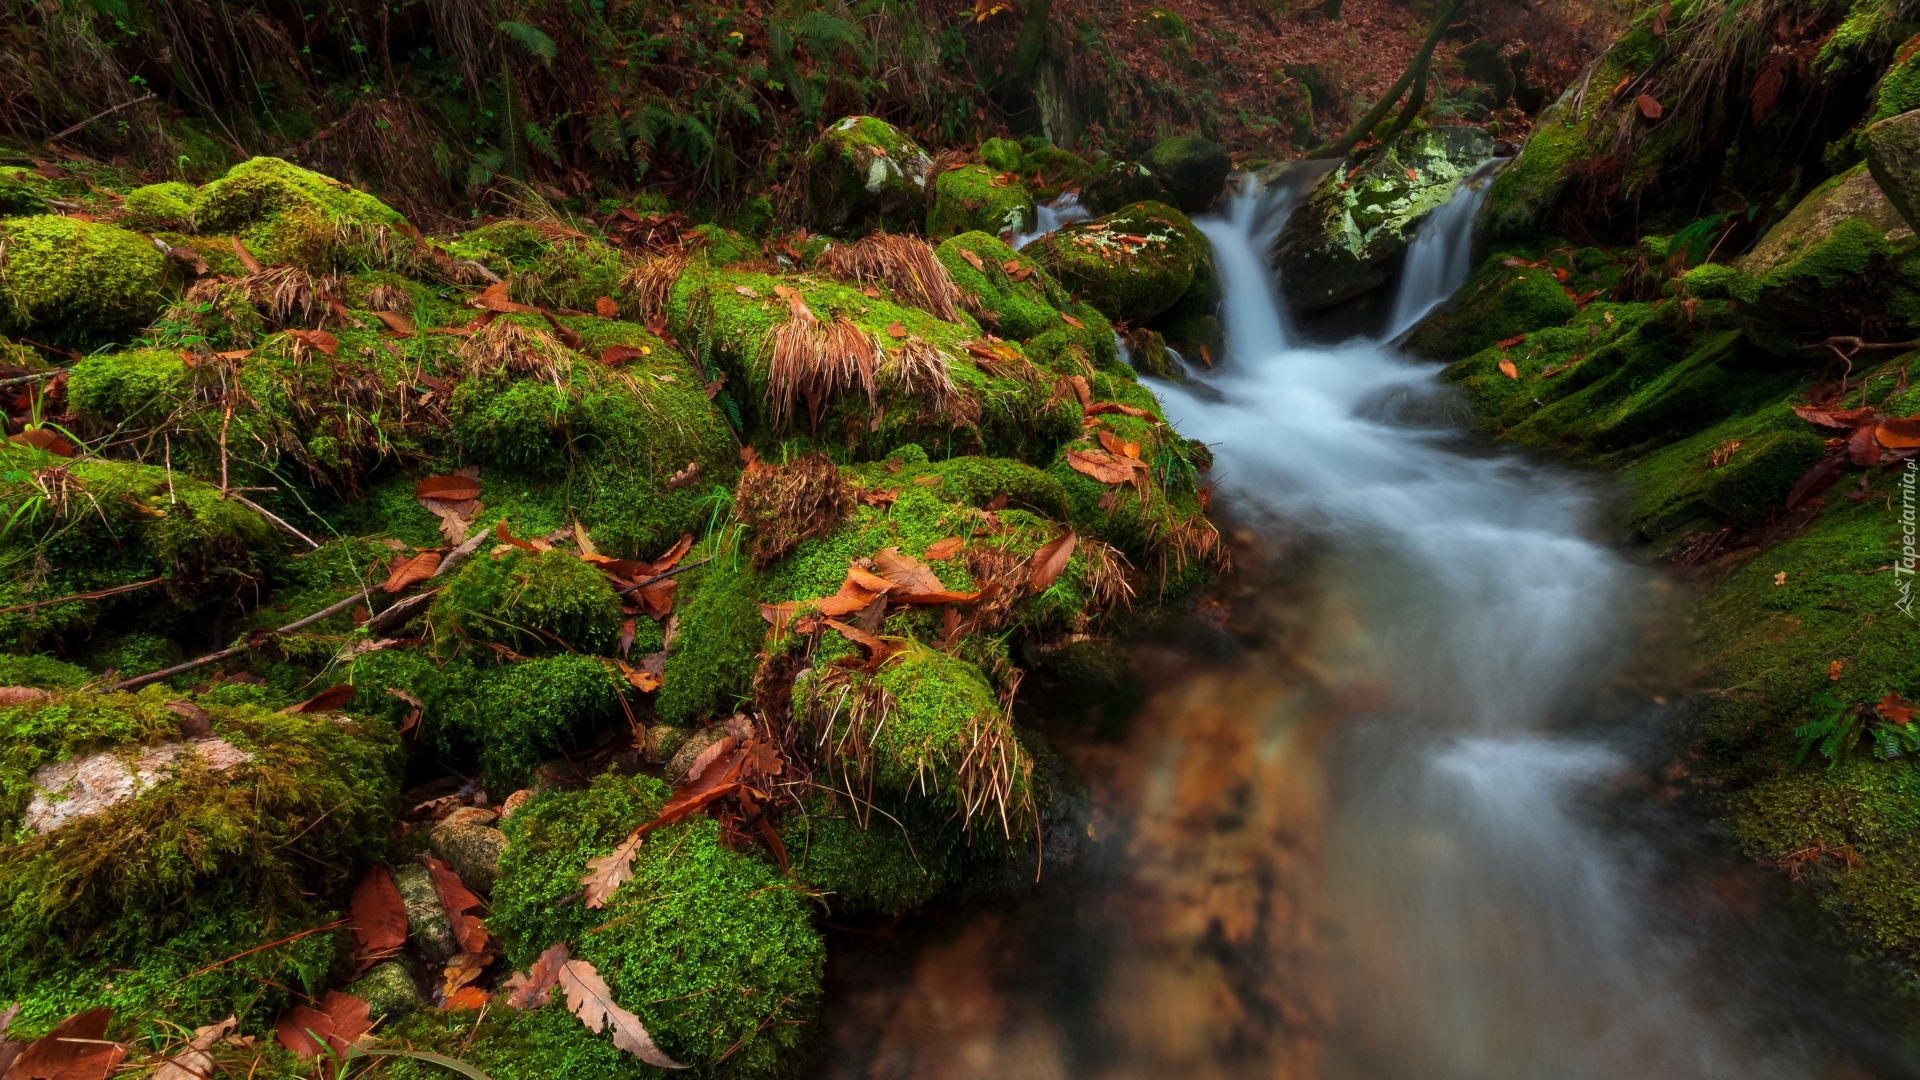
x=1148, y=352
x=468, y=843
x=1193, y=168
x=864, y=173
x=1352, y=233
x=428, y=927
x=975, y=197
x=1826, y=269
x=390, y=991
x=1497, y=302
x=1117, y=183
x=1893, y=157
x=690, y=748
x=1131, y=265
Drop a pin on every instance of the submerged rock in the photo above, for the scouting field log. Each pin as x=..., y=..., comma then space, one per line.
x=1352, y=233
x=864, y=173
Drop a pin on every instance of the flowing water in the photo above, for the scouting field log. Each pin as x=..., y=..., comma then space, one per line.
x=1398, y=817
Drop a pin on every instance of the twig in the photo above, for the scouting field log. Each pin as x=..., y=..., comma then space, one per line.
x=662, y=577
x=103, y=113
x=97, y=594
x=216, y=657
x=35, y=377
x=271, y=516
x=399, y=614
x=334, y=925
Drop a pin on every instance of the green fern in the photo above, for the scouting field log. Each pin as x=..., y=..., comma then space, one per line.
x=532, y=39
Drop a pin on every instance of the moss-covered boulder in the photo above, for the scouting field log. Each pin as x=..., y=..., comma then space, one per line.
x=1116, y=183
x=19, y=195
x=548, y=264
x=1132, y=264
x=1497, y=302
x=77, y=281
x=1893, y=157
x=1828, y=268
x=148, y=843
x=976, y=198
x=1193, y=168
x=1018, y=309
x=711, y=661
x=530, y=601
x=287, y=214
x=166, y=205
x=713, y=948
x=863, y=174
x=1352, y=233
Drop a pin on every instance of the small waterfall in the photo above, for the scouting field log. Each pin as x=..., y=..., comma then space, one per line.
x=1064, y=209
x=1441, y=257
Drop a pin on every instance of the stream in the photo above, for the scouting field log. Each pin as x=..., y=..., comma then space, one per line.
x=1400, y=806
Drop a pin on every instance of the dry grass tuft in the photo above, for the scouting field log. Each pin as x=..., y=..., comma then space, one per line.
x=987, y=771
x=506, y=345
x=286, y=295
x=785, y=504
x=846, y=752
x=389, y=298
x=651, y=282
x=904, y=264
x=812, y=364
x=919, y=370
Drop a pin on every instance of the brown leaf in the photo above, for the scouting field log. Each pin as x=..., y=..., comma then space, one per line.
x=458, y=902
x=942, y=550
x=606, y=308
x=1101, y=466
x=620, y=354
x=1843, y=420
x=454, y=488
x=1081, y=390
x=1119, y=447
x=1509, y=369
x=1817, y=479
x=412, y=571
x=1649, y=106
x=746, y=291
x=715, y=783
x=1899, y=434
x=896, y=330
x=1834, y=670
x=465, y=999
x=317, y=339
x=534, y=989
x=1508, y=343
x=397, y=321
x=870, y=293
x=874, y=648
x=1073, y=322
x=906, y=572
x=974, y=260
x=494, y=298
x=608, y=872
x=195, y=1062
x=711, y=754
x=194, y=721
x=379, y=915
x=331, y=699
x=1100, y=408
x=74, y=1050
x=657, y=598
x=684, y=477
x=1862, y=450
x=1050, y=560
x=246, y=257
x=1010, y=265
x=340, y=1019
x=43, y=438
x=589, y=999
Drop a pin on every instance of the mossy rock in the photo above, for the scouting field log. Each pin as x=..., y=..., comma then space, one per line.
x=77, y=281
x=1116, y=183
x=1017, y=310
x=167, y=205
x=220, y=846
x=885, y=864
x=713, y=948
x=1827, y=269
x=1132, y=264
x=286, y=214
x=19, y=195
x=512, y=717
x=1003, y=154
x=1496, y=303
x=1352, y=233
x=1059, y=169
x=1893, y=157
x=1193, y=168
x=547, y=265
x=1521, y=198
x=976, y=198
x=529, y=601
x=711, y=662
x=865, y=173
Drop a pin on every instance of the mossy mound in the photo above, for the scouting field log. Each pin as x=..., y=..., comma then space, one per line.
x=531, y=602
x=1132, y=264
x=286, y=214
x=548, y=264
x=1116, y=183
x=976, y=198
x=865, y=173
x=1016, y=309
x=711, y=947
x=223, y=845
x=1497, y=302
x=885, y=860
x=711, y=662
x=76, y=281
x=1192, y=168
x=167, y=205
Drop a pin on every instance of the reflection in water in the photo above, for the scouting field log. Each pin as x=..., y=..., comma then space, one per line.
x=1403, y=832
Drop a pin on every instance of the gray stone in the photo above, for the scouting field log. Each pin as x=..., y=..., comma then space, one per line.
x=469, y=844
x=428, y=927
x=682, y=759
x=1193, y=168
x=1893, y=157
x=389, y=990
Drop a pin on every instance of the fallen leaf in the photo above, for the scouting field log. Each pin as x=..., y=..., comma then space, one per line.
x=458, y=902
x=317, y=339
x=1010, y=265
x=195, y=1062
x=1048, y=562
x=1649, y=106
x=494, y=298
x=1899, y=434
x=606, y=308
x=455, y=488
x=505, y=535
x=589, y=999
x=896, y=330
x=746, y=291
x=413, y=715
x=1817, y=479
x=1833, y=670
x=194, y=721
x=870, y=293
x=620, y=354
x=397, y=321
x=412, y=571
x=246, y=257
x=1117, y=446
x=1104, y=467
x=534, y=989
x=331, y=699
x=685, y=476
x=43, y=438
x=607, y=873
x=1894, y=709
x=1081, y=390
x=1509, y=369
x=974, y=260
x=942, y=550
x=906, y=572
x=1073, y=322
x=466, y=999
x=379, y=915
x=340, y=1019
x=1101, y=408
x=1508, y=343
x=1780, y=578
x=695, y=795
x=1842, y=420
x=76, y=1049
x=1862, y=448
x=721, y=748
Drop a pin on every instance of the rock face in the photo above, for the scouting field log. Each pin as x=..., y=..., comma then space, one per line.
x=1893, y=157
x=1132, y=265
x=1194, y=169
x=1117, y=183
x=977, y=198
x=865, y=173
x=1352, y=233
x=1825, y=269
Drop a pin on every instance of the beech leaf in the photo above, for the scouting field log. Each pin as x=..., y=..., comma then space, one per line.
x=589, y=999
x=412, y=571
x=379, y=915
x=331, y=699
x=907, y=572
x=1051, y=559
x=455, y=488
x=942, y=550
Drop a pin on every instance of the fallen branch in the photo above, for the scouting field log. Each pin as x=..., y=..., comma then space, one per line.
x=236, y=650
x=149, y=96
x=662, y=577
x=397, y=616
x=1343, y=146
x=96, y=594
x=35, y=377
x=271, y=516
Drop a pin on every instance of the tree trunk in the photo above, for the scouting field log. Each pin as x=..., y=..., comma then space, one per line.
x=1441, y=18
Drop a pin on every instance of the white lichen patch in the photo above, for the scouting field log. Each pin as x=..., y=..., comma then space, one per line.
x=83, y=787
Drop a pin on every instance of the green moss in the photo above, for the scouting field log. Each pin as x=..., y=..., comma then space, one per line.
x=1059, y=169
x=19, y=196
x=190, y=870
x=42, y=671
x=1116, y=183
x=710, y=665
x=1003, y=154
x=865, y=173
x=77, y=281
x=1497, y=303
x=286, y=214
x=1132, y=264
x=543, y=1044
x=530, y=601
x=1524, y=193
x=1018, y=310
x=547, y=265
x=887, y=863
x=160, y=205
x=712, y=948
x=975, y=198
x=516, y=716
